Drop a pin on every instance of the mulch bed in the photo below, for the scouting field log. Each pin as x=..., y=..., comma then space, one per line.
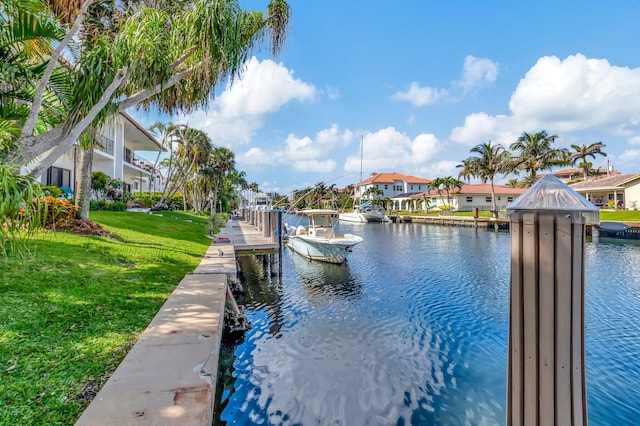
x=82, y=227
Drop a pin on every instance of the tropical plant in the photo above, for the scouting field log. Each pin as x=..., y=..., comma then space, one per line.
x=446, y=184
x=22, y=211
x=491, y=161
x=167, y=56
x=582, y=152
x=534, y=153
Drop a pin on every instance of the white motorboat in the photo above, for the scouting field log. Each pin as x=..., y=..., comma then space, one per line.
x=365, y=212
x=318, y=240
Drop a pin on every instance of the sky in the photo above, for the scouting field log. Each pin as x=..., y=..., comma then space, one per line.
x=417, y=83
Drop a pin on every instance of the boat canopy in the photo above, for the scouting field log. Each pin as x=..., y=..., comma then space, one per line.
x=365, y=204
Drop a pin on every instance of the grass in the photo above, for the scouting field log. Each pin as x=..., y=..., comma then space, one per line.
x=73, y=308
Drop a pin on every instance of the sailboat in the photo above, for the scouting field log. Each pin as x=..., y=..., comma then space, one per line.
x=366, y=211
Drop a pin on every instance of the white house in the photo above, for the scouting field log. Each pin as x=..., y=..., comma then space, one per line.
x=622, y=190
x=120, y=139
x=475, y=195
x=393, y=184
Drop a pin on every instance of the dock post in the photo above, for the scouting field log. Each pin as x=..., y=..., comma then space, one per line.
x=280, y=230
x=546, y=371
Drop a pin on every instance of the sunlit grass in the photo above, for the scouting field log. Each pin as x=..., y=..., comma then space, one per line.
x=71, y=310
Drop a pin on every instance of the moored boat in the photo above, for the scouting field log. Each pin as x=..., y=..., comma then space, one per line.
x=318, y=240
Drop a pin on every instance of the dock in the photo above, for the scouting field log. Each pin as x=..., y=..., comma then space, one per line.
x=169, y=375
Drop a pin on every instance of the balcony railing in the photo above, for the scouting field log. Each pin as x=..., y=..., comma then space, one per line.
x=134, y=160
x=105, y=144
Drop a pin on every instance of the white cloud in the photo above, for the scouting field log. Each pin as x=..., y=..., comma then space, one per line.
x=562, y=96
x=315, y=166
x=239, y=111
x=477, y=72
x=440, y=169
x=420, y=96
x=390, y=149
x=301, y=153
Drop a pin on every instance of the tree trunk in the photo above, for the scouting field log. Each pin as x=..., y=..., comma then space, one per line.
x=83, y=197
x=493, y=201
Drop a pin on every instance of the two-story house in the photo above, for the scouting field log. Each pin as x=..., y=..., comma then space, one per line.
x=121, y=139
x=392, y=184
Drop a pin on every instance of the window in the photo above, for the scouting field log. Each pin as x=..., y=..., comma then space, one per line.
x=135, y=185
x=386, y=187
x=469, y=199
x=509, y=199
x=499, y=198
x=487, y=199
x=58, y=177
x=411, y=187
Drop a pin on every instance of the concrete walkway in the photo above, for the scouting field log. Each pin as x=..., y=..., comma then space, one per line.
x=169, y=376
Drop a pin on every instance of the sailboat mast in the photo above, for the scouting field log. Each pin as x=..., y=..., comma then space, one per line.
x=361, y=151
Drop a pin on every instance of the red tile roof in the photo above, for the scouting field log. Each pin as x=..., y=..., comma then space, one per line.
x=393, y=177
x=477, y=189
x=617, y=181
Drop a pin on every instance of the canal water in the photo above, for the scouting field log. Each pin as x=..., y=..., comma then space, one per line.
x=412, y=330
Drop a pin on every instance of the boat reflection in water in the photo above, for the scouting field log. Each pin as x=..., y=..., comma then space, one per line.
x=325, y=282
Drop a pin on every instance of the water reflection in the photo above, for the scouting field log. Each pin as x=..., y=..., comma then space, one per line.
x=413, y=330
x=325, y=282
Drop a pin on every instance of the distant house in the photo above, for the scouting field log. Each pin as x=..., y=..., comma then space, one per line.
x=393, y=185
x=121, y=139
x=570, y=174
x=476, y=195
x=622, y=190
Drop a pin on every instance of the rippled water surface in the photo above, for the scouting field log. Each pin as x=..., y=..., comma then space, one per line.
x=413, y=330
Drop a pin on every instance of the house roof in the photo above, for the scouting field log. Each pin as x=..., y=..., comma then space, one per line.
x=393, y=177
x=477, y=189
x=139, y=136
x=571, y=172
x=618, y=181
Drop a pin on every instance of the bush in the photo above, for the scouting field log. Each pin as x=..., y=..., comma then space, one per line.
x=52, y=190
x=215, y=222
x=57, y=210
x=175, y=202
x=116, y=206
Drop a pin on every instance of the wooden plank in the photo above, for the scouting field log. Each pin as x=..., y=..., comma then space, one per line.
x=577, y=327
x=564, y=261
x=530, y=308
x=515, y=372
x=546, y=364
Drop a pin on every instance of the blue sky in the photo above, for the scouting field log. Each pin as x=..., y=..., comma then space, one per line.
x=421, y=82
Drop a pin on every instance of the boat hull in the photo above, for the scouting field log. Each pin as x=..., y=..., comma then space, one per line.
x=352, y=217
x=332, y=250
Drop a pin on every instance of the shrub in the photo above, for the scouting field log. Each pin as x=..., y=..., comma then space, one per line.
x=52, y=190
x=116, y=206
x=215, y=222
x=175, y=202
x=57, y=210
x=19, y=217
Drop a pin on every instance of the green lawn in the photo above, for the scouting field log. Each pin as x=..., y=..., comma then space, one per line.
x=71, y=310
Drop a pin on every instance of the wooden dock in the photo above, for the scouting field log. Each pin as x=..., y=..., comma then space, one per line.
x=169, y=376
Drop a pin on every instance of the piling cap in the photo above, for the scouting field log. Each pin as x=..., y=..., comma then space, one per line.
x=550, y=194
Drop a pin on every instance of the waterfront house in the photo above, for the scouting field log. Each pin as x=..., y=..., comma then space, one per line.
x=571, y=174
x=619, y=191
x=394, y=186
x=120, y=142
x=470, y=196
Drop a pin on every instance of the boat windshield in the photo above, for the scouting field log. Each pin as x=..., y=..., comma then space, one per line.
x=323, y=220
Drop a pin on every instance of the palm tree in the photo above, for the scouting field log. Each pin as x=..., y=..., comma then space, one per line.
x=446, y=184
x=168, y=135
x=535, y=153
x=582, y=152
x=172, y=55
x=491, y=160
x=513, y=183
x=466, y=170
